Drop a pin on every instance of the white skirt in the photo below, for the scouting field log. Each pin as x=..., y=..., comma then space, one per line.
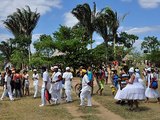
x=135, y=91
x=152, y=93
x=117, y=96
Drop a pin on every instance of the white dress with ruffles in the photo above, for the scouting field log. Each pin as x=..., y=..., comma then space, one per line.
x=151, y=93
x=135, y=91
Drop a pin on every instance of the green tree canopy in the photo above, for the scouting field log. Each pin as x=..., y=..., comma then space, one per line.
x=150, y=44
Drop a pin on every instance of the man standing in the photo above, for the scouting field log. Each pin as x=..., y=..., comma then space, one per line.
x=86, y=89
x=67, y=76
x=44, y=86
x=56, y=85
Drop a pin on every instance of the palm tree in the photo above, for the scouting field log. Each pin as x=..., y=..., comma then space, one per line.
x=21, y=24
x=86, y=17
x=101, y=26
x=114, y=23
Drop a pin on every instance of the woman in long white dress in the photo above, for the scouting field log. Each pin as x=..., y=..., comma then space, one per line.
x=150, y=92
x=134, y=90
x=121, y=85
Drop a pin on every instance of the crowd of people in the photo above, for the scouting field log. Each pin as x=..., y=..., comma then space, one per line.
x=127, y=85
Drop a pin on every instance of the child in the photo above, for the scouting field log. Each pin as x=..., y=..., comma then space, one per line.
x=113, y=90
x=115, y=79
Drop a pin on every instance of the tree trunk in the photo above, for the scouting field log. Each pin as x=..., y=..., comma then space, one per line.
x=106, y=51
x=29, y=53
x=114, y=46
x=91, y=41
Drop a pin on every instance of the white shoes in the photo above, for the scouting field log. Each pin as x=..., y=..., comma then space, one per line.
x=41, y=105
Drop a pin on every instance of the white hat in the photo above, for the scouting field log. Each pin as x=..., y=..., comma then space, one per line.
x=34, y=70
x=55, y=67
x=67, y=68
x=131, y=69
x=149, y=69
x=52, y=68
x=137, y=70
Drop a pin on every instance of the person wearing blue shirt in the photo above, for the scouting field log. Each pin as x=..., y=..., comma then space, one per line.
x=90, y=77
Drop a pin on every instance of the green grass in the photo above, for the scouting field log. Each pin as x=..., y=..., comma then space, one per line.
x=28, y=109
x=89, y=110
x=90, y=117
x=148, y=111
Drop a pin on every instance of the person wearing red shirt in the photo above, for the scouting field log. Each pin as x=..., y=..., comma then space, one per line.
x=17, y=83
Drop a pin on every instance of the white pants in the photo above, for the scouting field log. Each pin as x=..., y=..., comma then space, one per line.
x=85, y=95
x=68, y=94
x=43, y=99
x=8, y=90
x=35, y=90
x=56, y=95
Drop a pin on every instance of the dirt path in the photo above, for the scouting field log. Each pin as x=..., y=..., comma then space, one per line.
x=103, y=113
x=73, y=110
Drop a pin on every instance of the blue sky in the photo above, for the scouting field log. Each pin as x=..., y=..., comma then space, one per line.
x=143, y=17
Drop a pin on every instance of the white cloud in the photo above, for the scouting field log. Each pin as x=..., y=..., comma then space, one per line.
x=149, y=3
x=7, y=7
x=141, y=30
x=69, y=19
x=35, y=37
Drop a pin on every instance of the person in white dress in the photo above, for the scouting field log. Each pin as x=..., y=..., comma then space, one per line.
x=121, y=84
x=7, y=86
x=150, y=92
x=86, y=89
x=133, y=91
x=56, y=85
x=68, y=76
x=44, y=86
x=35, y=78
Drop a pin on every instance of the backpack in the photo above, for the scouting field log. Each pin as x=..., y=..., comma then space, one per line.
x=154, y=83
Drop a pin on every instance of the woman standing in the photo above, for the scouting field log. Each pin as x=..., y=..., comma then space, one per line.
x=25, y=83
x=134, y=90
x=17, y=83
x=121, y=84
x=7, y=86
x=151, y=92
x=67, y=76
x=35, y=78
x=56, y=85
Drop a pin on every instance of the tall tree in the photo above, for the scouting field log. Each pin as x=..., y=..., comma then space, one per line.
x=150, y=44
x=113, y=21
x=86, y=17
x=72, y=42
x=127, y=40
x=21, y=24
x=102, y=28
